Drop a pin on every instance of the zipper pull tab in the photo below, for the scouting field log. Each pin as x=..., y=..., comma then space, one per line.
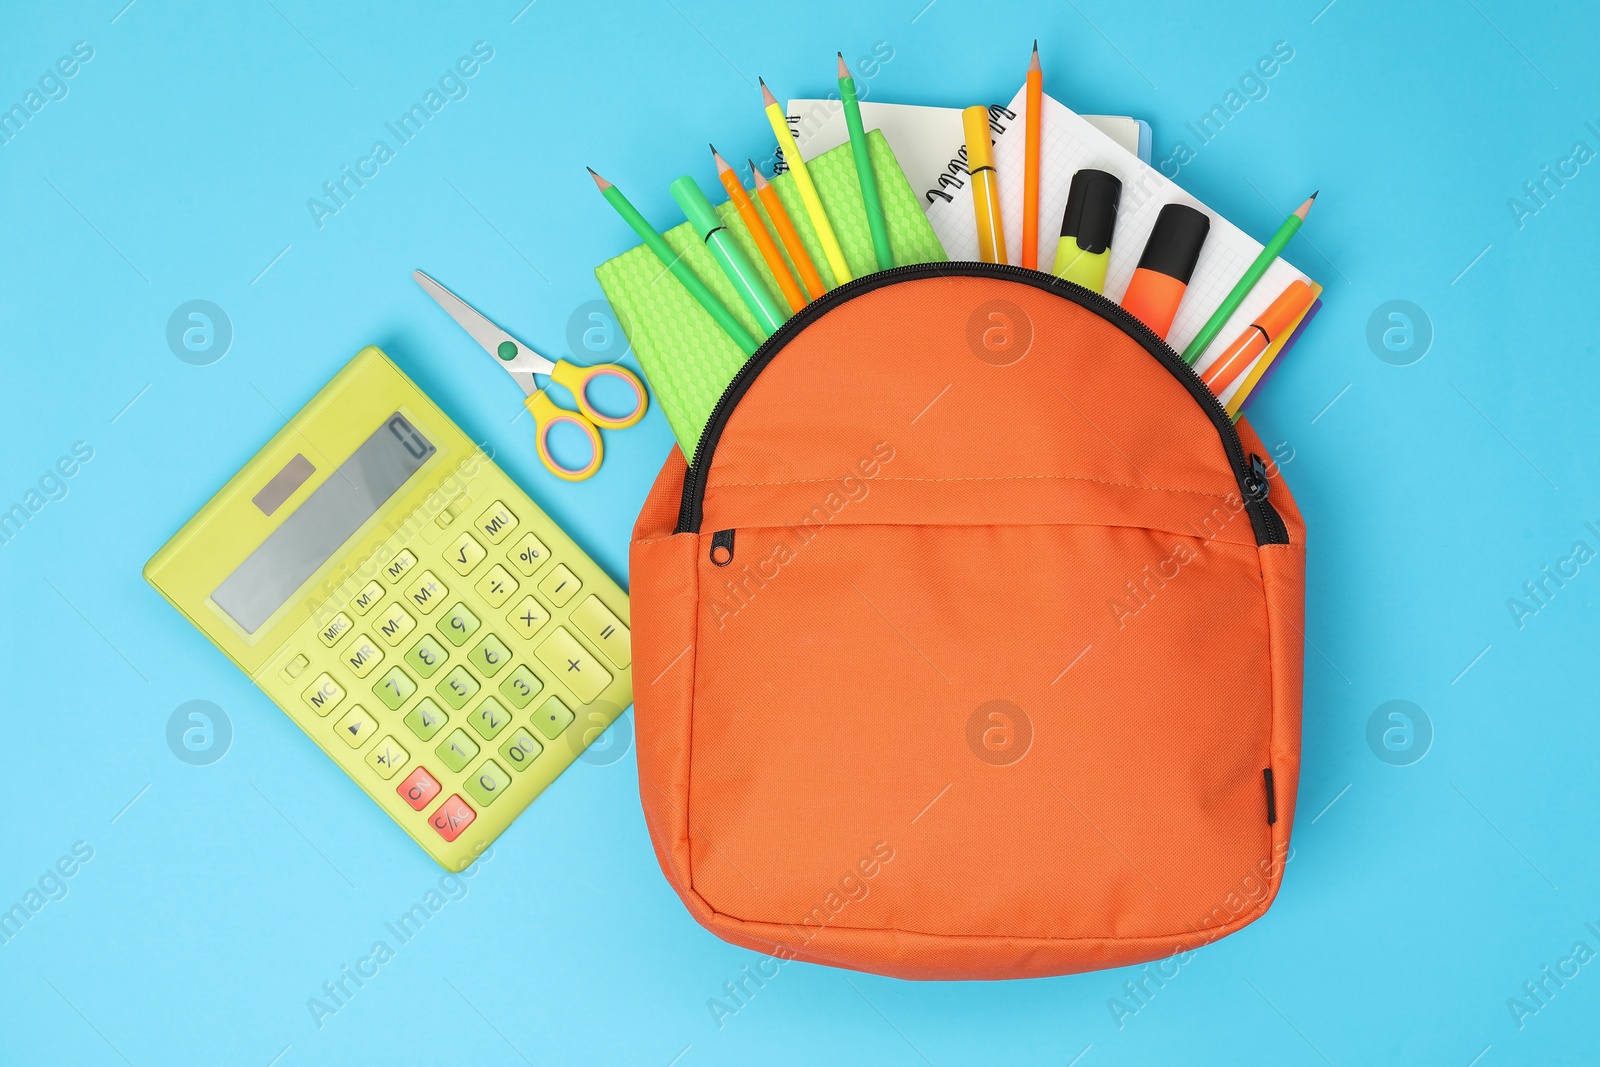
x=722, y=548
x=1257, y=484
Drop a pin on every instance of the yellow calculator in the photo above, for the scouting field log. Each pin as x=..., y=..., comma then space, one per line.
x=410, y=608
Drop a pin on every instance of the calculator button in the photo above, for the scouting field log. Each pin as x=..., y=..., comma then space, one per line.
x=465, y=554
x=487, y=782
x=452, y=817
x=497, y=586
x=356, y=727
x=324, y=694
x=572, y=664
x=458, y=687
x=521, y=750
x=361, y=655
x=490, y=657
x=521, y=686
x=489, y=719
x=425, y=593
x=604, y=629
x=394, y=688
x=458, y=624
x=368, y=598
x=457, y=750
x=529, y=555
x=295, y=667
x=394, y=624
x=527, y=617
x=418, y=788
x=496, y=523
x=560, y=585
x=427, y=656
x=336, y=628
x=387, y=757
x=551, y=718
x=396, y=568
x=426, y=719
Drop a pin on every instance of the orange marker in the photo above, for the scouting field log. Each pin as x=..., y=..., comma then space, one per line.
x=788, y=235
x=1280, y=315
x=758, y=231
x=1165, y=266
x=1030, y=172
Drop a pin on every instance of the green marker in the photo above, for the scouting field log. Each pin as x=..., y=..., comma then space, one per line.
x=708, y=224
x=674, y=262
x=1241, y=289
x=864, y=171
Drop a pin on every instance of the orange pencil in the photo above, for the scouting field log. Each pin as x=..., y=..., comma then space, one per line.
x=1030, y=172
x=787, y=234
x=758, y=231
x=1280, y=315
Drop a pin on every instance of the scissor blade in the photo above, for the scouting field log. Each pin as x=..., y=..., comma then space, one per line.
x=525, y=362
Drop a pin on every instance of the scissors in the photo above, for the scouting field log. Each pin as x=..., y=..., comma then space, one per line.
x=522, y=363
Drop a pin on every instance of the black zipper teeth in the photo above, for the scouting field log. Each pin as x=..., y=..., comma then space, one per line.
x=1264, y=518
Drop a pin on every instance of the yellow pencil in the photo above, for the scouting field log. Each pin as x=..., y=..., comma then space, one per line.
x=808, y=191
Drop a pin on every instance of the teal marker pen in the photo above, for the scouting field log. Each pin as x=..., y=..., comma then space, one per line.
x=740, y=271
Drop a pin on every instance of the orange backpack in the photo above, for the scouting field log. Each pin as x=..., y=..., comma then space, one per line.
x=970, y=644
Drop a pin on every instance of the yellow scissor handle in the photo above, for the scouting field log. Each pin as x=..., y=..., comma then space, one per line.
x=546, y=416
x=578, y=379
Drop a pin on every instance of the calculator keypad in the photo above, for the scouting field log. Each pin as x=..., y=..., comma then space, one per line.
x=484, y=679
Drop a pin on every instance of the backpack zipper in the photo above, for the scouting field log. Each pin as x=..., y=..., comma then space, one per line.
x=1249, y=470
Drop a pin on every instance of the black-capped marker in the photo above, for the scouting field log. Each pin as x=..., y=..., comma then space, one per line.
x=1165, y=267
x=1086, y=228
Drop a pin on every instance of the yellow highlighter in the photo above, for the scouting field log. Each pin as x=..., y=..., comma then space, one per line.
x=985, y=185
x=808, y=191
x=1086, y=227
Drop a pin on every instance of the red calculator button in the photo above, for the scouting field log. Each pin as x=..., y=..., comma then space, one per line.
x=419, y=788
x=452, y=817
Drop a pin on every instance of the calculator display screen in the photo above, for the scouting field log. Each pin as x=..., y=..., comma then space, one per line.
x=332, y=513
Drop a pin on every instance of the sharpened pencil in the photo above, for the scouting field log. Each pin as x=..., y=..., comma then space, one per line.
x=788, y=234
x=680, y=270
x=807, y=189
x=758, y=232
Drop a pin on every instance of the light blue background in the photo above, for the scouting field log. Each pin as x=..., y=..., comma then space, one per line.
x=219, y=898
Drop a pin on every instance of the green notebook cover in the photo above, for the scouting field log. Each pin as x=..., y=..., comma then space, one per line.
x=686, y=357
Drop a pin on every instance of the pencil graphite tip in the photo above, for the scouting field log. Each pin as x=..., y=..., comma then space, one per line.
x=600, y=183
x=1033, y=64
x=844, y=69
x=1305, y=209
x=722, y=164
x=766, y=94
x=759, y=179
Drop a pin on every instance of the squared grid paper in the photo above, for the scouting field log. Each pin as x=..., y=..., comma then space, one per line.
x=1071, y=144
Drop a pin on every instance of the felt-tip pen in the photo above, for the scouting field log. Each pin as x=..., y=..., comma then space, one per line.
x=1166, y=265
x=1086, y=228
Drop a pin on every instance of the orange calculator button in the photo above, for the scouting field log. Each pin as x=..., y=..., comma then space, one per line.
x=419, y=788
x=452, y=817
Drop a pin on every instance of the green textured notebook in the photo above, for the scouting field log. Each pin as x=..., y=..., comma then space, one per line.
x=688, y=360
